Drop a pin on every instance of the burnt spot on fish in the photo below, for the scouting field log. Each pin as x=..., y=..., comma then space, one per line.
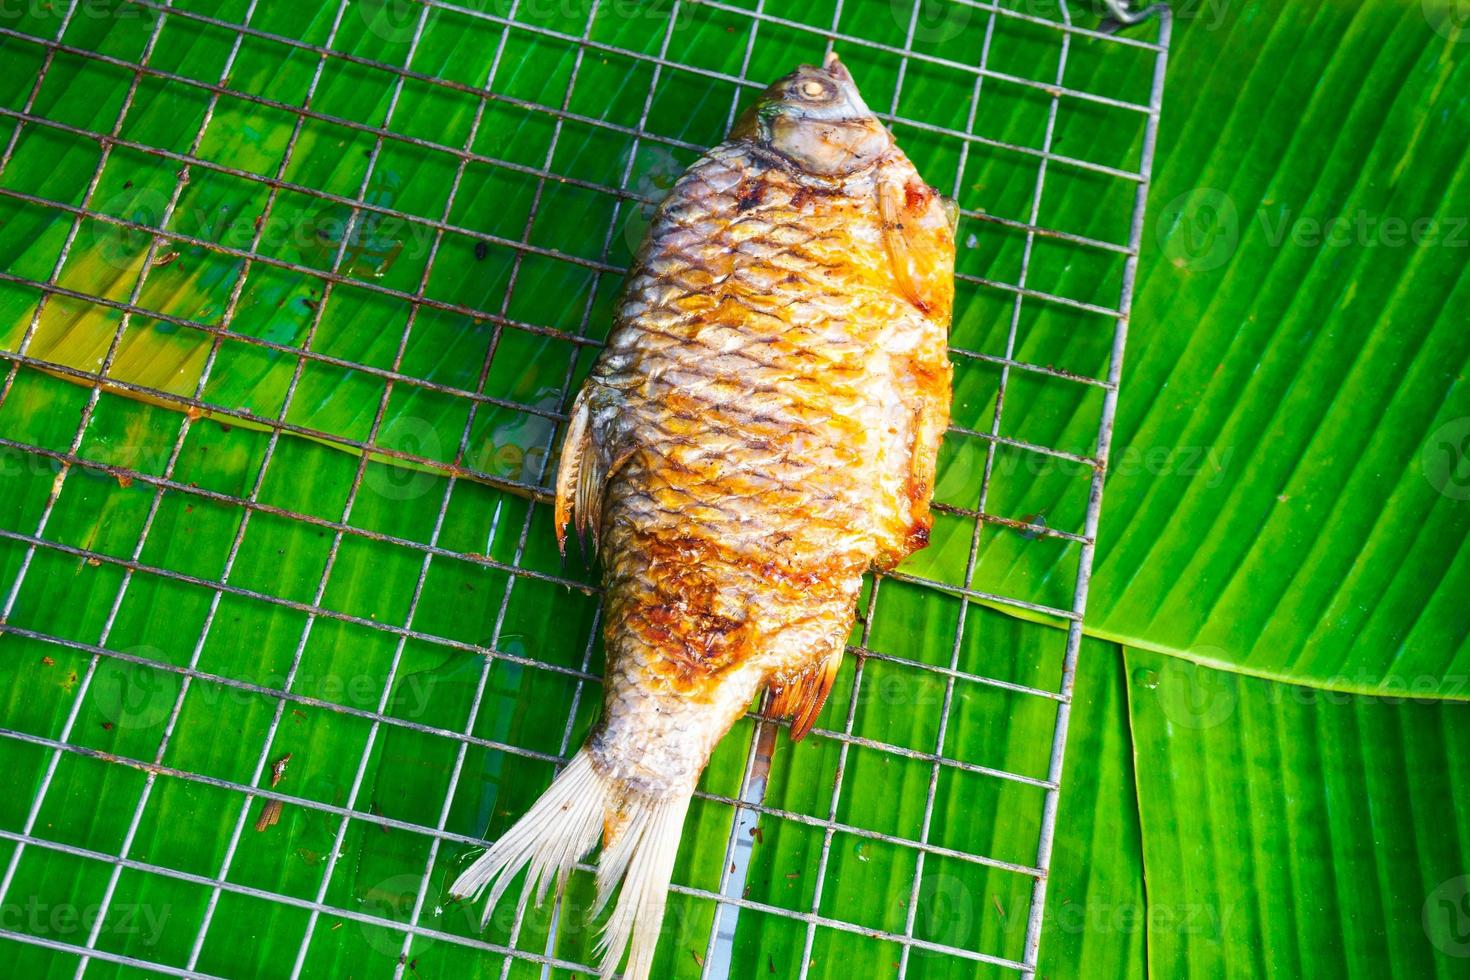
x=684, y=611
x=808, y=193
x=678, y=613
x=695, y=642
x=916, y=196
x=803, y=194
x=749, y=196
x=918, y=536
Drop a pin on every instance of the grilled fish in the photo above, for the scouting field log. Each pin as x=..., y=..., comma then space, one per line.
x=760, y=430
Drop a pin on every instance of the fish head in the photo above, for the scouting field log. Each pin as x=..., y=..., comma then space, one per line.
x=816, y=120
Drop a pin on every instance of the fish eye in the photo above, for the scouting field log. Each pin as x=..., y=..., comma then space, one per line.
x=814, y=89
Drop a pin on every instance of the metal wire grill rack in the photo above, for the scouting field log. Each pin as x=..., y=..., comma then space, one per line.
x=984, y=28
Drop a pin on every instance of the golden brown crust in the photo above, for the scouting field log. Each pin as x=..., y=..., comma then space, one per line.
x=771, y=401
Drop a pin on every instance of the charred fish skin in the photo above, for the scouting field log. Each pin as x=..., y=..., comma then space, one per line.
x=761, y=429
x=759, y=408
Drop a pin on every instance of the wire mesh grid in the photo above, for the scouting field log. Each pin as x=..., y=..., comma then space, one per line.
x=961, y=44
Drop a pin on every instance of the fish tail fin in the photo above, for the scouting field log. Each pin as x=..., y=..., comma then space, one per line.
x=639, y=854
x=641, y=834
x=560, y=827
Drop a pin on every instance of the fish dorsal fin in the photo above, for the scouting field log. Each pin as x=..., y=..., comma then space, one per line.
x=579, y=475
x=801, y=698
x=918, y=236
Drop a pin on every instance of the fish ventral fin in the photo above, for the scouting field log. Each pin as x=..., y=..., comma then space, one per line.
x=801, y=698
x=579, y=476
x=561, y=827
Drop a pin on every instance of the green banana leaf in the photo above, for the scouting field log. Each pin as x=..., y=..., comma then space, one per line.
x=1289, y=494
x=1290, y=831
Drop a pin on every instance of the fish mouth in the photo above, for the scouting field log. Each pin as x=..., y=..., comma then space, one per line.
x=833, y=67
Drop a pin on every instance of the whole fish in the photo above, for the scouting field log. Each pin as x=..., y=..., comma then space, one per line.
x=760, y=430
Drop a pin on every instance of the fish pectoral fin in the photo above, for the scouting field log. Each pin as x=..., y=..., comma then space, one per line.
x=801, y=698
x=951, y=209
x=931, y=418
x=918, y=235
x=579, y=476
